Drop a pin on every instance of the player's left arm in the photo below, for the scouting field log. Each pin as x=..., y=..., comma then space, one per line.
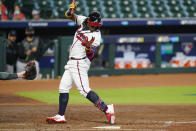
x=69, y=14
x=92, y=48
x=91, y=53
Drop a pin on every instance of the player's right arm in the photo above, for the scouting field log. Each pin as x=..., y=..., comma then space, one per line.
x=69, y=14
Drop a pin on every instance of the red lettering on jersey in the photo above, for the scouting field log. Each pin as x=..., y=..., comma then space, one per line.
x=81, y=36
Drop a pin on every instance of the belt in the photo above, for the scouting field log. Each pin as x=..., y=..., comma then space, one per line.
x=73, y=58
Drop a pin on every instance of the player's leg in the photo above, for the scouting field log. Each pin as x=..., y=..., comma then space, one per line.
x=107, y=109
x=80, y=78
x=64, y=87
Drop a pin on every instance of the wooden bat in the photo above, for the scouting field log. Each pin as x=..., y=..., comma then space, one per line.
x=72, y=10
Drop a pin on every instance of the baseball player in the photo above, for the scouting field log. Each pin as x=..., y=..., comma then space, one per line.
x=86, y=39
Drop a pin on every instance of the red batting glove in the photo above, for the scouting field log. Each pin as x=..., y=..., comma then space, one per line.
x=87, y=43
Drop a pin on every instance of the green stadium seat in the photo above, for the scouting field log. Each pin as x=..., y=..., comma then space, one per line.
x=127, y=8
x=92, y=3
x=129, y=15
x=188, y=2
x=93, y=9
x=141, y=3
x=159, y=9
x=156, y=3
x=143, y=9
x=109, y=3
x=59, y=3
x=27, y=7
x=111, y=8
x=175, y=8
x=161, y=15
x=80, y=8
x=112, y=15
x=60, y=6
x=45, y=9
x=190, y=7
x=193, y=14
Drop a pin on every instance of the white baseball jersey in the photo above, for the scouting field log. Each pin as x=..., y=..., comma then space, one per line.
x=76, y=49
x=76, y=71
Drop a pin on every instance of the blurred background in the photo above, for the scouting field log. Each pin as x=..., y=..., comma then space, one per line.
x=138, y=36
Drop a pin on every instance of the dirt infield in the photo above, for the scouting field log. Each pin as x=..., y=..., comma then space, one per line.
x=18, y=113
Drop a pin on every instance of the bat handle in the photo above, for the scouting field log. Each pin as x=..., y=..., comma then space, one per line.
x=72, y=10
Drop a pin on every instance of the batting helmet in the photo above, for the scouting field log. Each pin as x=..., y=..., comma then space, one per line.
x=94, y=19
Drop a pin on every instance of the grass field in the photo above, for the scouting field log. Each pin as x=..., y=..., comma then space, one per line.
x=153, y=95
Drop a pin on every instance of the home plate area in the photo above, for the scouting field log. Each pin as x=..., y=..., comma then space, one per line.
x=87, y=117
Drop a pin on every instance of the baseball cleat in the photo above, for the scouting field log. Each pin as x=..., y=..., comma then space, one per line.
x=56, y=119
x=110, y=114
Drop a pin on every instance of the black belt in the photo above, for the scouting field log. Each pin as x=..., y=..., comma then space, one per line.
x=73, y=58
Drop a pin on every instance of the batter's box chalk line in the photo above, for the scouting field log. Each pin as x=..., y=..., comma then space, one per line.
x=108, y=127
x=180, y=122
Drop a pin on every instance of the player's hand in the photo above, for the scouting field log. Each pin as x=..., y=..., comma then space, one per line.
x=21, y=74
x=87, y=43
x=72, y=6
x=71, y=10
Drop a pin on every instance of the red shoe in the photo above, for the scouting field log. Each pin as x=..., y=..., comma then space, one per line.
x=56, y=119
x=110, y=114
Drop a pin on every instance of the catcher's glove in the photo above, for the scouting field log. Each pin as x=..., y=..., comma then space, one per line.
x=30, y=71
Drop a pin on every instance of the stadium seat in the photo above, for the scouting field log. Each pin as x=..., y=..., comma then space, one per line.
x=111, y=8
x=190, y=7
x=80, y=10
x=127, y=9
x=91, y=3
x=60, y=6
x=45, y=9
x=27, y=7
x=143, y=9
x=112, y=15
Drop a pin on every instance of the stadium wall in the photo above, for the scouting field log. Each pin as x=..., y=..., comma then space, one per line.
x=136, y=32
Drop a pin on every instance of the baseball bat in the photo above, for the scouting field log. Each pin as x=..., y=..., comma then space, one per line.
x=72, y=10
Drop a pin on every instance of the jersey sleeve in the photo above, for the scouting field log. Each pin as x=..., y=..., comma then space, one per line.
x=7, y=76
x=80, y=19
x=97, y=39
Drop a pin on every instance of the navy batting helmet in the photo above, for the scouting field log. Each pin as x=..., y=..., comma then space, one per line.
x=94, y=19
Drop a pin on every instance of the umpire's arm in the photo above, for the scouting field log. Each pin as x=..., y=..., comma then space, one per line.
x=11, y=76
x=8, y=76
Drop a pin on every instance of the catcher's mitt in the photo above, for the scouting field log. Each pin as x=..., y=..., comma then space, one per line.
x=30, y=71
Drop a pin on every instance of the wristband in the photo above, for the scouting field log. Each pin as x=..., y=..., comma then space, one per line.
x=87, y=49
x=68, y=14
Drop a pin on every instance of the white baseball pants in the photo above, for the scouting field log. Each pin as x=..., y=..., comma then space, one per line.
x=76, y=71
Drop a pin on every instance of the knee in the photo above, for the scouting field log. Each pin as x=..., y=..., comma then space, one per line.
x=62, y=89
x=84, y=93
